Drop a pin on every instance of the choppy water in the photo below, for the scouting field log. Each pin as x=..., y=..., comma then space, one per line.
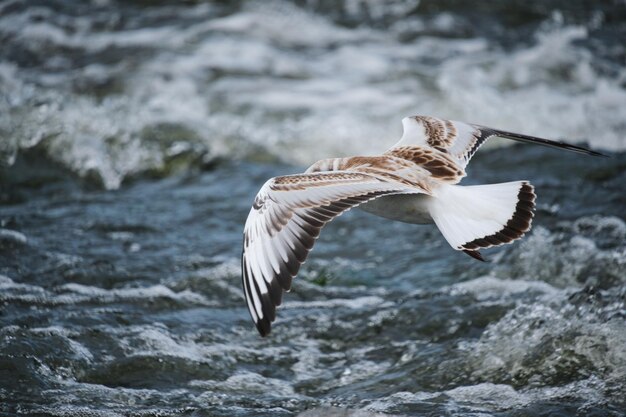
x=134, y=135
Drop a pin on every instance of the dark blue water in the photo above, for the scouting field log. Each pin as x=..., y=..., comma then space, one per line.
x=135, y=135
x=129, y=301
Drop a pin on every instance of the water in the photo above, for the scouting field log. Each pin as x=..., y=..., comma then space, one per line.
x=134, y=135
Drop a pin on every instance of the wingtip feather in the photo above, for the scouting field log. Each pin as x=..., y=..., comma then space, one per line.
x=475, y=254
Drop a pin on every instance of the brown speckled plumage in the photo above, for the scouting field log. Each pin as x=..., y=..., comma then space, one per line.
x=302, y=182
x=440, y=165
x=439, y=133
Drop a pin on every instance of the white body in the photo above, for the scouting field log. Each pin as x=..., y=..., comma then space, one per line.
x=406, y=208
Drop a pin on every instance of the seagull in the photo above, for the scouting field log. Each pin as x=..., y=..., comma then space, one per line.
x=415, y=181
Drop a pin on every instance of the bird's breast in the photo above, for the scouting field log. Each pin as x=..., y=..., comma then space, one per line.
x=407, y=208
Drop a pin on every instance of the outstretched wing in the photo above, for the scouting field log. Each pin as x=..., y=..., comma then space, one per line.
x=461, y=140
x=286, y=218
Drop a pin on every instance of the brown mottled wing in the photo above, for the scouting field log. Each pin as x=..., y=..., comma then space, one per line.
x=461, y=140
x=439, y=165
x=286, y=218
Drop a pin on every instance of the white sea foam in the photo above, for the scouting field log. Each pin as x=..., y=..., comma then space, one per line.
x=591, y=252
x=486, y=397
x=489, y=396
x=249, y=382
x=492, y=287
x=341, y=412
x=543, y=342
x=8, y=236
x=293, y=83
x=70, y=411
x=74, y=293
x=402, y=397
x=354, y=303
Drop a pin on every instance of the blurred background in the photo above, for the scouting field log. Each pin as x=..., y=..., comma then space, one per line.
x=111, y=90
x=135, y=134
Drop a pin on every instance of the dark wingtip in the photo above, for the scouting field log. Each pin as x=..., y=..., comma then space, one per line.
x=264, y=327
x=603, y=155
x=583, y=150
x=545, y=142
x=475, y=254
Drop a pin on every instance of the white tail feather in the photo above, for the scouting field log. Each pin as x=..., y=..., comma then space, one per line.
x=481, y=216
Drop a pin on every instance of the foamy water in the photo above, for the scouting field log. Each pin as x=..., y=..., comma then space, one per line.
x=279, y=80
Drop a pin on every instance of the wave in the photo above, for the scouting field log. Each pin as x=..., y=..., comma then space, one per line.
x=72, y=293
x=151, y=99
x=514, y=340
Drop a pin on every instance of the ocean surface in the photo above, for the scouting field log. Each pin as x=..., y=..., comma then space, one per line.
x=135, y=134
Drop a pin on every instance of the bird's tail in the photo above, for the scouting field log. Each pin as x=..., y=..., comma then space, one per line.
x=482, y=216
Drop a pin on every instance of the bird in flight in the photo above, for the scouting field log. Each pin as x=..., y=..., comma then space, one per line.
x=415, y=181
